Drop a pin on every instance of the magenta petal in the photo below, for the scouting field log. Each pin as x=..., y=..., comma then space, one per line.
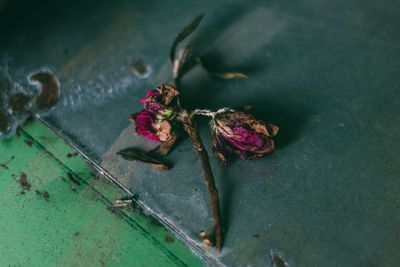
x=152, y=103
x=237, y=134
x=145, y=125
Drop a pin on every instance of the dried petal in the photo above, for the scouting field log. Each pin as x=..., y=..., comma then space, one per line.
x=152, y=103
x=242, y=134
x=168, y=93
x=161, y=101
x=164, y=130
x=267, y=129
x=145, y=124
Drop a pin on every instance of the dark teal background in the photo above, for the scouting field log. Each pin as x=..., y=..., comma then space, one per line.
x=326, y=72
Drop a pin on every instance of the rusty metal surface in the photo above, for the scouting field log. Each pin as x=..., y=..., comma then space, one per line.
x=326, y=73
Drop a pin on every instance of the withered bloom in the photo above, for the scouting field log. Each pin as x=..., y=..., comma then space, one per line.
x=242, y=134
x=161, y=101
x=150, y=126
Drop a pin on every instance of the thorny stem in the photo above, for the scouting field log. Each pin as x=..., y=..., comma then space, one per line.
x=193, y=132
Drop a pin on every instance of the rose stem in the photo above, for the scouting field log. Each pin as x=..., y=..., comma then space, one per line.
x=193, y=132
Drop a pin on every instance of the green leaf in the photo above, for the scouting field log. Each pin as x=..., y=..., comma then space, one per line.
x=183, y=34
x=137, y=154
x=230, y=75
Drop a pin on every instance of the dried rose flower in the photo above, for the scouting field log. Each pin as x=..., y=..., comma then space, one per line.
x=161, y=101
x=241, y=133
x=150, y=126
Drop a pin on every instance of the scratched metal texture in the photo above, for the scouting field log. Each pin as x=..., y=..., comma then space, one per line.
x=56, y=211
x=325, y=72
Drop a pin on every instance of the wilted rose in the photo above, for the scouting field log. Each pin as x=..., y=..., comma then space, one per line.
x=241, y=133
x=161, y=101
x=150, y=126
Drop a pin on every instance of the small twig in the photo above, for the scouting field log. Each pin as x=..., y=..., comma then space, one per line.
x=122, y=203
x=193, y=132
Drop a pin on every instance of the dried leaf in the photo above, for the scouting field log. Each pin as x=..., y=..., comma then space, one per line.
x=137, y=154
x=229, y=75
x=184, y=54
x=234, y=75
x=164, y=148
x=180, y=60
x=183, y=34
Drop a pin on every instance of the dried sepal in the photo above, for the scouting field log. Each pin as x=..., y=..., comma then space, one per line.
x=260, y=126
x=165, y=147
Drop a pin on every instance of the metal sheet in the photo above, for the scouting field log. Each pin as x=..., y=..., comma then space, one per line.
x=326, y=73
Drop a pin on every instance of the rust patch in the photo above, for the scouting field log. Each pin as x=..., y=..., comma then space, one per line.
x=23, y=181
x=168, y=239
x=43, y=194
x=4, y=165
x=115, y=210
x=69, y=155
x=72, y=179
x=49, y=89
x=19, y=102
x=140, y=69
x=29, y=142
x=77, y=234
x=255, y=236
x=5, y=122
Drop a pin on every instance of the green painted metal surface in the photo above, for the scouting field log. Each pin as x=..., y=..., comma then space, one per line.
x=54, y=211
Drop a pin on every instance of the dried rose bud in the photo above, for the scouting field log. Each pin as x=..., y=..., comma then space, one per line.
x=161, y=101
x=150, y=126
x=241, y=133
